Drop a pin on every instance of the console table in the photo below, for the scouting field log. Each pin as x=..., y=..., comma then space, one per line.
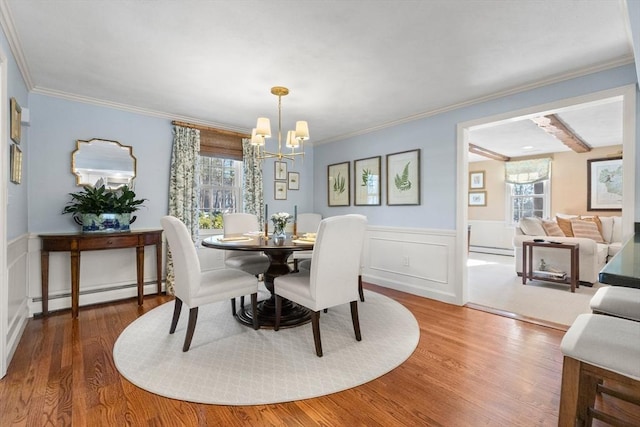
x=527, y=262
x=78, y=242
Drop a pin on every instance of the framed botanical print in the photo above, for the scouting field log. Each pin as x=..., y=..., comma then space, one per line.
x=338, y=182
x=604, y=184
x=366, y=183
x=16, y=118
x=16, y=164
x=476, y=180
x=477, y=198
x=293, y=180
x=403, y=178
x=280, y=190
x=280, y=170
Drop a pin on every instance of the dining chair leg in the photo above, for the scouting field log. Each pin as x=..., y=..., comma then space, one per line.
x=315, y=324
x=360, y=291
x=191, y=327
x=233, y=307
x=276, y=323
x=254, y=310
x=176, y=315
x=355, y=320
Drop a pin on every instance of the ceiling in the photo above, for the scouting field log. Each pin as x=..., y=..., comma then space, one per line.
x=352, y=66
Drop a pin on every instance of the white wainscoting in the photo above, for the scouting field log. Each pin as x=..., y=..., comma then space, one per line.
x=17, y=310
x=494, y=237
x=417, y=261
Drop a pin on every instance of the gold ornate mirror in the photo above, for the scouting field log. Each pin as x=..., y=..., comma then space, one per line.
x=110, y=161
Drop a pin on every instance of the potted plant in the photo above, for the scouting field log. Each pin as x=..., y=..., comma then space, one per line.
x=98, y=209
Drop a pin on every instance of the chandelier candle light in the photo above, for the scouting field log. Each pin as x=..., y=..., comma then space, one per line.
x=295, y=138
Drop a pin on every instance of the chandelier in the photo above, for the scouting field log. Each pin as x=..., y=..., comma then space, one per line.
x=295, y=138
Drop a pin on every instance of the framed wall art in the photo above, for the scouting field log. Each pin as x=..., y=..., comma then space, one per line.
x=16, y=164
x=293, y=181
x=604, y=184
x=476, y=180
x=280, y=190
x=16, y=118
x=403, y=178
x=366, y=183
x=280, y=170
x=338, y=181
x=477, y=198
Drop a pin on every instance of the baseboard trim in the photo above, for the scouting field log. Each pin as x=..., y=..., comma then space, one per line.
x=516, y=316
x=490, y=250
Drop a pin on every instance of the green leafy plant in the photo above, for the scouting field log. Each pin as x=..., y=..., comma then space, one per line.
x=99, y=200
x=366, y=173
x=339, y=184
x=402, y=182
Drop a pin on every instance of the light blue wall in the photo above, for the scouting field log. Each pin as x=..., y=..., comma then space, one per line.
x=16, y=193
x=56, y=124
x=436, y=137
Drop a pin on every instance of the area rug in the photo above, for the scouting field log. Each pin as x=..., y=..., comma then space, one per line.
x=231, y=364
x=496, y=285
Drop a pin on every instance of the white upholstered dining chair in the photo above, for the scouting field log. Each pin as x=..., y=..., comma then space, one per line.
x=305, y=223
x=333, y=278
x=195, y=288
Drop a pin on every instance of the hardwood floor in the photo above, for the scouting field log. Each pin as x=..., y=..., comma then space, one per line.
x=470, y=368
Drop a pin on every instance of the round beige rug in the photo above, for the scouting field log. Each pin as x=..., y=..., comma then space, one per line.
x=231, y=364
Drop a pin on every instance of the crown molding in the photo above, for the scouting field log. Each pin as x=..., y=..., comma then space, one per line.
x=6, y=21
x=136, y=110
x=626, y=60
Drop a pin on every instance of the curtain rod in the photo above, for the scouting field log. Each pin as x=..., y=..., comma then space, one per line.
x=207, y=128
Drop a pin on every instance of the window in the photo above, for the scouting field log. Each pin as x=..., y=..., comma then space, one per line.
x=220, y=189
x=531, y=199
x=528, y=187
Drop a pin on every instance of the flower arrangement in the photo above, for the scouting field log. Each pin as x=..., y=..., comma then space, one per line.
x=280, y=221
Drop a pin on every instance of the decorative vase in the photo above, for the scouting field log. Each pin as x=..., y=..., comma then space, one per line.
x=104, y=223
x=279, y=236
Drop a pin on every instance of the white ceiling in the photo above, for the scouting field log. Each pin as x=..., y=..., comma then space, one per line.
x=352, y=66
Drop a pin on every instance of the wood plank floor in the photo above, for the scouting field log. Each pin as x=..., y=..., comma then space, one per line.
x=471, y=368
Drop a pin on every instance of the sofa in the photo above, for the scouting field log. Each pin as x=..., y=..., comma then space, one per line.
x=600, y=238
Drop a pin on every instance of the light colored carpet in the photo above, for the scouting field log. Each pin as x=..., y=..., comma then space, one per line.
x=493, y=283
x=231, y=364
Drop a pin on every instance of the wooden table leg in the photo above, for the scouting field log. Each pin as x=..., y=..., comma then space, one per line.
x=44, y=272
x=524, y=264
x=75, y=282
x=140, y=272
x=159, y=266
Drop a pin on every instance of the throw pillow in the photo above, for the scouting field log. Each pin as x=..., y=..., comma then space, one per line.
x=565, y=226
x=532, y=226
x=586, y=229
x=607, y=228
x=595, y=219
x=552, y=228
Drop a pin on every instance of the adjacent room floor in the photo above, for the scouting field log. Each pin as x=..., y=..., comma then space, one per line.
x=494, y=286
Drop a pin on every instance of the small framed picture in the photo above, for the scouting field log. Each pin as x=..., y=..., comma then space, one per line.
x=403, y=178
x=280, y=170
x=476, y=180
x=16, y=164
x=477, y=198
x=16, y=118
x=293, y=181
x=366, y=184
x=280, y=190
x=338, y=181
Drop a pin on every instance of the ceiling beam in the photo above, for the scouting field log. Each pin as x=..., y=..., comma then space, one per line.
x=487, y=153
x=555, y=127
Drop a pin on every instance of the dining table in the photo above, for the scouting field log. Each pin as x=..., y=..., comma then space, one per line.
x=278, y=252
